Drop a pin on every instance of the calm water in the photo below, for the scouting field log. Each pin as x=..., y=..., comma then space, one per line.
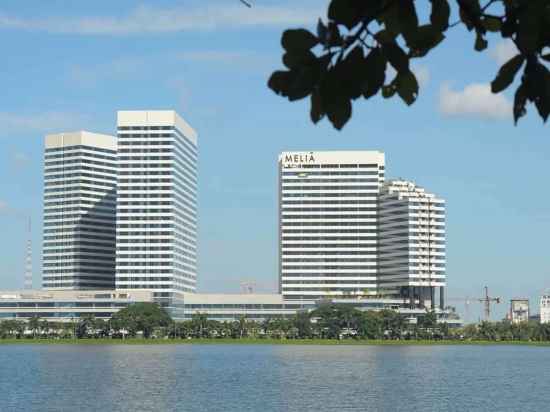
x=274, y=378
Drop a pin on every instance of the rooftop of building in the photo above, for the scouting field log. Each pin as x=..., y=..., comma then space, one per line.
x=80, y=138
x=333, y=157
x=156, y=118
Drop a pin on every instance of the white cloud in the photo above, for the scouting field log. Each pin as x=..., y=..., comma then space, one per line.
x=130, y=67
x=147, y=19
x=90, y=75
x=15, y=123
x=503, y=51
x=475, y=100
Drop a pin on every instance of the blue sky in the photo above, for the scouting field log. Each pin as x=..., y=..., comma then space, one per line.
x=70, y=65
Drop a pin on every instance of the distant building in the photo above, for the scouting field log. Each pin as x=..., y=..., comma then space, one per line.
x=66, y=305
x=79, y=211
x=328, y=223
x=156, y=235
x=545, y=308
x=411, y=243
x=519, y=310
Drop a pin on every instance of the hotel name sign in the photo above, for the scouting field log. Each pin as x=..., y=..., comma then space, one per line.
x=299, y=158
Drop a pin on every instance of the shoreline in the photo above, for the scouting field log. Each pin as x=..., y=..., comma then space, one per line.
x=253, y=341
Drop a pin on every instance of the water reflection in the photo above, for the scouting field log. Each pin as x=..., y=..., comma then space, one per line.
x=273, y=378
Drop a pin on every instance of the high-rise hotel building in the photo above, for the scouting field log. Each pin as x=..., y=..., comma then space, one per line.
x=79, y=211
x=156, y=234
x=411, y=260
x=328, y=223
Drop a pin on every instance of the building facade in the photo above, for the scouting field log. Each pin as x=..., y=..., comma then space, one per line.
x=79, y=211
x=328, y=223
x=67, y=305
x=411, y=259
x=519, y=310
x=545, y=308
x=156, y=235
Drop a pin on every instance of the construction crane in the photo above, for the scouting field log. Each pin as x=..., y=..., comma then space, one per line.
x=486, y=300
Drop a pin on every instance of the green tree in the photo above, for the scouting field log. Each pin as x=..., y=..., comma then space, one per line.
x=34, y=325
x=199, y=325
x=370, y=325
x=302, y=323
x=347, y=57
x=393, y=324
x=85, y=326
x=143, y=316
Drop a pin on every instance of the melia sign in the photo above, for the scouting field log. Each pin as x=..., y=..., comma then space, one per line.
x=299, y=158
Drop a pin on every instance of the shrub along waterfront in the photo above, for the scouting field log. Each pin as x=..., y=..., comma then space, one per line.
x=328, y=322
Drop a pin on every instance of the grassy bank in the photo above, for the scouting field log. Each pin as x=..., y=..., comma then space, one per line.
x=252, y=341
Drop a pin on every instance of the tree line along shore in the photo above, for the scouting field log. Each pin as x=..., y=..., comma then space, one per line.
x=330, y=324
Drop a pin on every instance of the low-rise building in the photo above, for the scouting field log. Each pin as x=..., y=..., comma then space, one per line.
x=519, y=310
x=67, y=305
x=545, y=308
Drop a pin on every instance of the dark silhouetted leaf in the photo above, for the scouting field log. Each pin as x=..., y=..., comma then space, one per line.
x=297, y=58
x=466, y=19
x=322, y=32
x=537, y=84
x=344, y=12
x=440, y=14
x=280, y=81
x=492, y=23
x=424, y=39
x=520, y=99
x=509, y=26
x=293, y=85
x=546, y=57
x=334, y=39
x=481, y=43
x=396, y=56
x=340, y=114
x=375, y=70
x=391, y=18
x=351, y=72
x=385, y=36
x=333, y=97
x=298, y=39
x=407, y=86
x=408, y=20
x=506, y=74
x=388, y=90
x=529, y=26
x=316, y=113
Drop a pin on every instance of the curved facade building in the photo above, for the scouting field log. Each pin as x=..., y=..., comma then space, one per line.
x=79, y=211
x=411, y=243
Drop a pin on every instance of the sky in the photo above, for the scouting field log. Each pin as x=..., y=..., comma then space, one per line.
x=71, y=65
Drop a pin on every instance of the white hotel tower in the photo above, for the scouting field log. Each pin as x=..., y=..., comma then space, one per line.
x=79, y=211
x=156, y=236
x=411, y=243
x=328, y=223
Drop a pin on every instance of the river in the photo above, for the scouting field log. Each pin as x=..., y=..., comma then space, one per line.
x=273, y=378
